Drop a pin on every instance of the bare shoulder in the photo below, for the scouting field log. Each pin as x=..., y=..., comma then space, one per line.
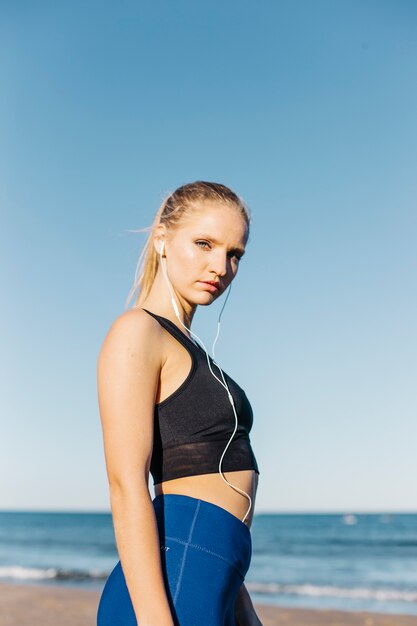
x=128, y=372
x=136, y=331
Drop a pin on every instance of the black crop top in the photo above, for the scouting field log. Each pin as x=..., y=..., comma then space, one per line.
x=194, y=424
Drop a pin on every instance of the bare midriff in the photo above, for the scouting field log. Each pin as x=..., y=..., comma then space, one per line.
x=213, y=488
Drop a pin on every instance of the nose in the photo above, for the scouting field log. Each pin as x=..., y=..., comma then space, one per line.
x=219, y=263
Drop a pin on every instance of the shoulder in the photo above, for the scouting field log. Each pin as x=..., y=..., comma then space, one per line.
x=134, y=331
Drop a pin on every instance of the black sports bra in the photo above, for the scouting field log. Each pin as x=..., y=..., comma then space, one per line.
x=194, y=424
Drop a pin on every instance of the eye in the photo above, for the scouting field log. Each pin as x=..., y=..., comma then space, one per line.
x=205, y=243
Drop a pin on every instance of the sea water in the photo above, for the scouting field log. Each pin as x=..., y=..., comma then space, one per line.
x=353, y=562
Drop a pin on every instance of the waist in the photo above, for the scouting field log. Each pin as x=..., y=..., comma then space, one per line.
x=212, y=488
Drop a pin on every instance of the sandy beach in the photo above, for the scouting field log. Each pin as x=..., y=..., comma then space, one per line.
x=25, y=605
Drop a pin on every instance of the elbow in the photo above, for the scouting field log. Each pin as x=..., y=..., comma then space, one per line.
x=128, y=487
x=130, y=479
x=128, y=497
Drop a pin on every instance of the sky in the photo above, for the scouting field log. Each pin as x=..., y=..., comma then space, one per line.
x=307, y=110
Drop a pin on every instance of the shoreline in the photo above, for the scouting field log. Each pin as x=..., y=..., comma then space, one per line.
x=24, y=605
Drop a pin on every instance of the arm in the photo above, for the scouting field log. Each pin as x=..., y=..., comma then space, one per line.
x=128, y=372
x=245, y=614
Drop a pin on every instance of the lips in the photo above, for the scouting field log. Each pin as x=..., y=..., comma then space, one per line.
x=211, y=285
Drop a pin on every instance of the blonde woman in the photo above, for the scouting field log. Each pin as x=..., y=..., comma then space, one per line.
x=167, y=408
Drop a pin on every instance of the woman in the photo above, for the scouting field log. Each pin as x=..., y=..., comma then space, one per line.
x=183, y=555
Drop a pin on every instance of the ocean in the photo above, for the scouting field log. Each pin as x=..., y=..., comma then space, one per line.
x=350, y=562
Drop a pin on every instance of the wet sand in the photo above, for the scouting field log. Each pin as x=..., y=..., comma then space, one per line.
x=26, y=605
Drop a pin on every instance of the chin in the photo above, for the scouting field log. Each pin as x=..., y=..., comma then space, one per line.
x=206, y=298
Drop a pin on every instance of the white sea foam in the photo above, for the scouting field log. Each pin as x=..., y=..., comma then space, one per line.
x=27, y=573
x=364, y=593
x=307, y=590
x=37, y=573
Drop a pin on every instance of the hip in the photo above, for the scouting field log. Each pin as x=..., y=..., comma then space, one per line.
x=205, y=554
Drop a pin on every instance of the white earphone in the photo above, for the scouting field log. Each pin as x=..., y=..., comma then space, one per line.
x=223, y=383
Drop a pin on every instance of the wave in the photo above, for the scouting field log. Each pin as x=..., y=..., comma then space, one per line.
x=349, y=543
x=50, y=573
x=18, y=572
x=363, y=593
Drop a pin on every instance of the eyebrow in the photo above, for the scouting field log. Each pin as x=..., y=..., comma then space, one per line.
x=213, y=240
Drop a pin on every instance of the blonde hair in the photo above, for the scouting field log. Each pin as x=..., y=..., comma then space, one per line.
x=175, y=206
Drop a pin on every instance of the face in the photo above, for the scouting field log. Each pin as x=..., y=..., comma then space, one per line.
x=206, y=246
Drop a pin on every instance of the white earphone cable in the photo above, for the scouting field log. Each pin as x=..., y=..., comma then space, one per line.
x=223, y=383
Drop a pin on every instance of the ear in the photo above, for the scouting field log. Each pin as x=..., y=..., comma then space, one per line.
x=159, y=238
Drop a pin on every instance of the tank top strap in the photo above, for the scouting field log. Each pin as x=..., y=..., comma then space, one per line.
x=186, y=341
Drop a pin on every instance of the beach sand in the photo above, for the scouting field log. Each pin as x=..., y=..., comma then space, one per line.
x=26, y=605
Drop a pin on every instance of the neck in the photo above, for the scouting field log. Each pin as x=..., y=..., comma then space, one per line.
x=158, y=301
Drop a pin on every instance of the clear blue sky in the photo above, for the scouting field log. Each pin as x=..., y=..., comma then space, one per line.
x=308, y=111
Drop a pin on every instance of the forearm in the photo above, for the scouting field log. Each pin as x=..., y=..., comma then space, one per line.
x=137, y=540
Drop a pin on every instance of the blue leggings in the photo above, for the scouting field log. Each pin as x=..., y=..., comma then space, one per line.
x=205, y=555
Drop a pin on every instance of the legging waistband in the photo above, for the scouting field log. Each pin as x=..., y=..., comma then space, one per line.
x=205, y=526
